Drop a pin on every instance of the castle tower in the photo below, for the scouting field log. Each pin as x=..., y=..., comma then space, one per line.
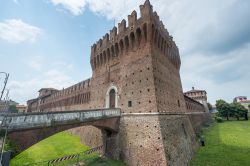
x=136, y=68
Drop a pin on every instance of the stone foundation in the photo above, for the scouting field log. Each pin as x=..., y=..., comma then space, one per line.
x=156, y=140
x=89, y=135
x=199, y=119
x=149, y=139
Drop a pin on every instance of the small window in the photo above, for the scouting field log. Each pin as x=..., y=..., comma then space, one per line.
x=129, y=103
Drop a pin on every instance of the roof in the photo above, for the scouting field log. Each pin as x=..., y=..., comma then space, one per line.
x=195, y=90
x=48, y=89
x=240, y=97
x=245, y=101
x=32, y=100
x=21, y=106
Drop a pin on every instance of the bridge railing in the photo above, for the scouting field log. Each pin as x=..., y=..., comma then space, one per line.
x=45, y=119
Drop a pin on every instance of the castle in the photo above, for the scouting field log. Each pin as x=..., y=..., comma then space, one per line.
x=198, y=95
x=135, y=68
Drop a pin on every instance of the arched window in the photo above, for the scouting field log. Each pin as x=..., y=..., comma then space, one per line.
x=138, y=34
x=112, y=98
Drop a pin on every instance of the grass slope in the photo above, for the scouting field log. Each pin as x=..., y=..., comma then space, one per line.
x=59, y=145
x=227, y=144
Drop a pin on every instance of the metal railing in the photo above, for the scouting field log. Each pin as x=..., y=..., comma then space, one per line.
x=19, y=121
x=68, y=159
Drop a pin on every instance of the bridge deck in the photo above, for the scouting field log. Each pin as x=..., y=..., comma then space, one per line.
x=22, y=121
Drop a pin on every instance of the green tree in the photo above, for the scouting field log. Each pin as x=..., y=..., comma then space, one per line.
x=224, y=108
x=239, y=110
x=13, y=109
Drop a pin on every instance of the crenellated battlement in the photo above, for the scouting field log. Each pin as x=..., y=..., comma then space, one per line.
x=139, y=31
x=136, y=69
x=72, y=90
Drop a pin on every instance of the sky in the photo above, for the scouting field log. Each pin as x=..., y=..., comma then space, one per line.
x=46, y=43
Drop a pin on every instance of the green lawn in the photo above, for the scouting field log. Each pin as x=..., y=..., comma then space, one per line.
x=59, y=145
x=227, y=144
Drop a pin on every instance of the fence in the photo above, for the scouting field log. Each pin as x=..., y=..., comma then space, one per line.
x=69, y=159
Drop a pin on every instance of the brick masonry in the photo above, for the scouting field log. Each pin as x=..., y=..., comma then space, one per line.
x=141, y=62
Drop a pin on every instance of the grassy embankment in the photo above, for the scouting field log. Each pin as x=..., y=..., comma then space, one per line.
x=227, y=144
x=59, y=145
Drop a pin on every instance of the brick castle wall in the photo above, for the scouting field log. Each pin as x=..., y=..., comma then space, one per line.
x=141, y=62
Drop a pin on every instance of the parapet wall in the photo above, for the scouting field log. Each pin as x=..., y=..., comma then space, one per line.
x=78, y=94
x=193, y=106
x=147, y=29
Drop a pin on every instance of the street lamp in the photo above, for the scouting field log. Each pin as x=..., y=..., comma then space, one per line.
x=5, y=82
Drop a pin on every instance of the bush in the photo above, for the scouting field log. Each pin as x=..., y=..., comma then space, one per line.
x=218, y=119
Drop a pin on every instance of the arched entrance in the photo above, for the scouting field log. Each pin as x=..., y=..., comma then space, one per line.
x=112, y=97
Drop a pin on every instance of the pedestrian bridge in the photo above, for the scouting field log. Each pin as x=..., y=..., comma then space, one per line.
x=24, y=121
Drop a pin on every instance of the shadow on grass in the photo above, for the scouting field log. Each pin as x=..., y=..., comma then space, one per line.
x=227, y=144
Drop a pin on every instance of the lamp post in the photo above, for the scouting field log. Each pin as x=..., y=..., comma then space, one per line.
x=5, y=82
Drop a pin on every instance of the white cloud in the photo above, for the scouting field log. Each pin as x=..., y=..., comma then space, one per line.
x=74, y=6
x=222, y=76
x=213, y=40
x=35, y=62
x=17, y=31
x=22, y=91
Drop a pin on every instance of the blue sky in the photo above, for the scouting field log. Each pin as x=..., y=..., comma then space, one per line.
x=47, y=43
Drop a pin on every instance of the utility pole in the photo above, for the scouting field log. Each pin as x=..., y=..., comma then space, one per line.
x=2, y=150
x=6, y=130
x=5, y=83
x=7, y=101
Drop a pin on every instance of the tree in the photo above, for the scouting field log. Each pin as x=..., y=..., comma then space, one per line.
x=239, y=110
x=224, y=108
x=13, y=109
x=234, y=109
